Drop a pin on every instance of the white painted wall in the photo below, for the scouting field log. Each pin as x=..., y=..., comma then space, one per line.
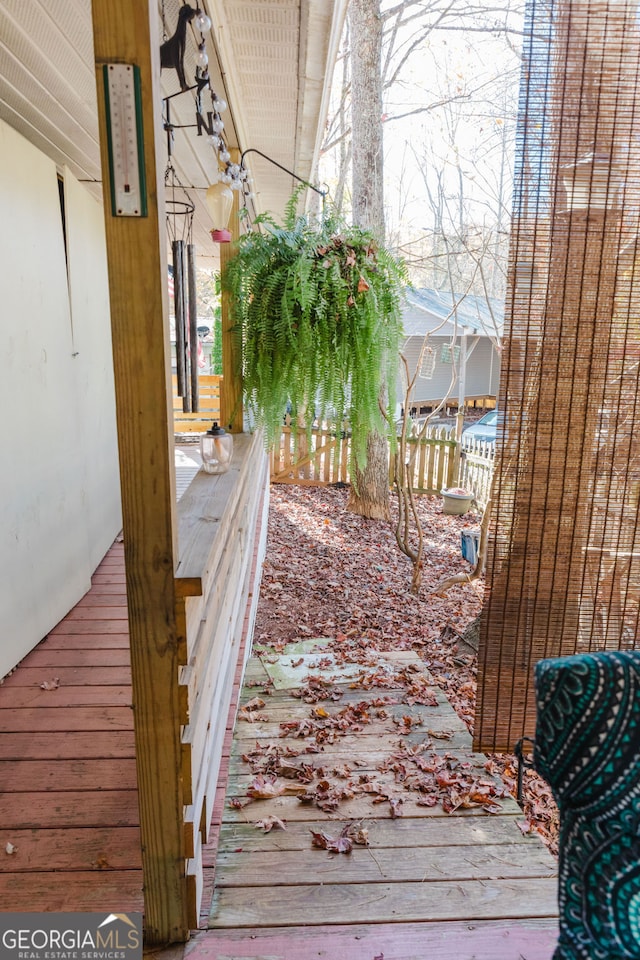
x=59, y=486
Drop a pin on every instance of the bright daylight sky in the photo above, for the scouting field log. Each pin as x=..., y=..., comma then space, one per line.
x=464, y=145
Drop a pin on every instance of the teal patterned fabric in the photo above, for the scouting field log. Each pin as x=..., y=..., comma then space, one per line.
x=587, y=748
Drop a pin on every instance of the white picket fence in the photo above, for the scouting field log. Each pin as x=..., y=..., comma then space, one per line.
x=438, y=461
x=475, y=471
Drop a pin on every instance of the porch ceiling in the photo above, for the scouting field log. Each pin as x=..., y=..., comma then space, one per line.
x=270, y=60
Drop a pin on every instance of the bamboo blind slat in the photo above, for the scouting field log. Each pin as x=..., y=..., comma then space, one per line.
x=564, y=559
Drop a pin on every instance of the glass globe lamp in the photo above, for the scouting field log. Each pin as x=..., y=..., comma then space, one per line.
x=216, y=449
x=219, y=202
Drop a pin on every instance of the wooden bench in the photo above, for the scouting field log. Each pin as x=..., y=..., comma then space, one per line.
x=208, y=406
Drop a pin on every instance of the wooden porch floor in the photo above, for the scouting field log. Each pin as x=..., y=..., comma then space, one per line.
x=69, y=802
x=428, y=885
x=68, y=786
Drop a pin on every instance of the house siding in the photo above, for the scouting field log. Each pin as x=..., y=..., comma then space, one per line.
x=59, y=489
x=482, y=373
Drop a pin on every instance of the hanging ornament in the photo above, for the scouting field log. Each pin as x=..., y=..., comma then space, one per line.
x=201, y=21
x=219, y=200
x=202, y=59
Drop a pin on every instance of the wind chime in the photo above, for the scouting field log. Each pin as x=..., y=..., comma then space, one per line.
x=180, y=208
x=179, y=204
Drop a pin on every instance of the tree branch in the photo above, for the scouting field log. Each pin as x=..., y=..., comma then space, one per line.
x=478, y=570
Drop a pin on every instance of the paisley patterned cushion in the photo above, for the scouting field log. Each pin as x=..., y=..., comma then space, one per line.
x=587, y=747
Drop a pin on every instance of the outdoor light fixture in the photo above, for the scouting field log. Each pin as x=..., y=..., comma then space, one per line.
x=208, y=120
x=201, y=21
x=216, y=449
x=591, y=183
x=219, y=200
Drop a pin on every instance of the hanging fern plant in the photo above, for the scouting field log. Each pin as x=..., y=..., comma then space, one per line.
x=318, y=308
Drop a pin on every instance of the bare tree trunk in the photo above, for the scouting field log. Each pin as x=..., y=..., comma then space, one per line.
x=366, y=114
x=369, y=495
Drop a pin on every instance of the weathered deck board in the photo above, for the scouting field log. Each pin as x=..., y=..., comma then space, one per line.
x=395, y=864
x=88, y=641
x=442, y=875
x=100, y=589
x=73, y=891
x=482, y=940
x=19, y=776
x=370, y=756
x=69, y=801
x=100, y=599
x=290, y=808
x=64, y=696
x=438, y=831
x=99, y=744
x=96, y=676
x=53, y=719
x=103, y=611
x=321, y=903
x=91, y=626
x=47, y=656
x=100, y=808
x=368, y=736
x=73, y=849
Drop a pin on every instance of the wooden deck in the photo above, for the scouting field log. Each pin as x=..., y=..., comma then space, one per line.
x=69, y=801
x=68, y=795
x=427, y=885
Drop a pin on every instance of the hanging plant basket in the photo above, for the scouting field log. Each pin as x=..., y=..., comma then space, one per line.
x=317, y=305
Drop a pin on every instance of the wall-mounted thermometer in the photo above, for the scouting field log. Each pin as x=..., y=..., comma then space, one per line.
x=123, y=103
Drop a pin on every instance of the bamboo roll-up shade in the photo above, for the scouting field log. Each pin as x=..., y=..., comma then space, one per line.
x=563, y=571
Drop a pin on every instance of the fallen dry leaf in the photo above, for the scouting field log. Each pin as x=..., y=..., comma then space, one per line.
x=266, y=788
x=341, y=844
x=268, y=823
x=358, y=833
x=440, y=734
x=254, y=704
x=50, y=684
x=370, y=614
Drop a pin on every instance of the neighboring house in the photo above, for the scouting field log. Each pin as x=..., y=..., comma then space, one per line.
x=456, y=342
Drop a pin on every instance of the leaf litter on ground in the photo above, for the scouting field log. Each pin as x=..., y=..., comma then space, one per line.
x=329, y=573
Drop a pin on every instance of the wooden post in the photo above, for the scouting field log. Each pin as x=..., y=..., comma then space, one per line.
x=126, y=32
x=231, y=387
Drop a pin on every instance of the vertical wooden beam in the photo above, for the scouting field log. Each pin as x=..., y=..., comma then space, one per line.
x=127, y=32
x=231, y=388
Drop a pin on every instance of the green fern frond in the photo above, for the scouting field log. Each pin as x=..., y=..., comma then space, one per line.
x=318, y=308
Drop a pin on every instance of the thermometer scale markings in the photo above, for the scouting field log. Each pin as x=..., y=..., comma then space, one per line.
x=127, y=181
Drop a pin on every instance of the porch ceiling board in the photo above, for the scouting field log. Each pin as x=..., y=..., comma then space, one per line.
x=271, y=61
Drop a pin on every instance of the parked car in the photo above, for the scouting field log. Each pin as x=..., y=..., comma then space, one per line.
x=483, y=429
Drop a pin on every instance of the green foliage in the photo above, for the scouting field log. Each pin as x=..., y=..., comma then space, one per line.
x=318, y=309
x=216, y=350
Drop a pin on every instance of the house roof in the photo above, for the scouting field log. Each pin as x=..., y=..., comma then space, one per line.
x=446, y=315
x=271, y=61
